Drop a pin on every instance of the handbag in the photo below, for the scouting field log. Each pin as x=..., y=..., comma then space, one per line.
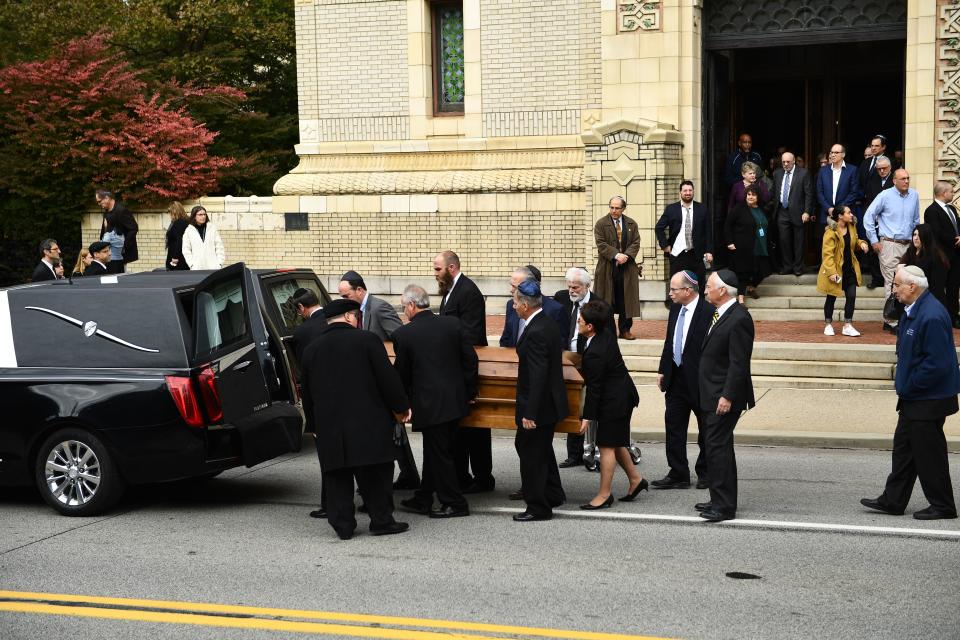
x=892, y=309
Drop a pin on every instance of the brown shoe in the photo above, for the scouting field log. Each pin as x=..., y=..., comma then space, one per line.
x=626, y=335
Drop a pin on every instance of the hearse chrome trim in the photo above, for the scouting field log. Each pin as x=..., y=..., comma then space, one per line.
x=8, y=356
x=90, y=329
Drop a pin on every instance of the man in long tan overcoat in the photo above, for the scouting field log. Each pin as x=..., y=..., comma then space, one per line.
x=617, y=277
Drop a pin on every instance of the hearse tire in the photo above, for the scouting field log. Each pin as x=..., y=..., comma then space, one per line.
x=76, y=475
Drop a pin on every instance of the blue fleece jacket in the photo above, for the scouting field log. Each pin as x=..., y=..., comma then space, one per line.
x=926, y=356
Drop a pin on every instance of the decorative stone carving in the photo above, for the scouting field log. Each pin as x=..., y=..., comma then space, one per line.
x=639, y=16
x=948, y=94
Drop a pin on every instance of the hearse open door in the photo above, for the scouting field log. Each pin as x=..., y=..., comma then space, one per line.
x=230, y=367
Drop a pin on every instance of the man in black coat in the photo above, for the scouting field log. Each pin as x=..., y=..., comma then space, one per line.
x=49, y=251
x=678, y=377
x=541, y=404
x=438, y=367
x=684, y=233
x=792, y=207
x=941, y=216
x=123, y=222
x=355, y=397
x=461, y=298
x=100, y=252
x=726, y=389
x=511, y=321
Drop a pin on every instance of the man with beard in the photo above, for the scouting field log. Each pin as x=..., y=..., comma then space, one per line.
x=461, y=298
x=683, y=233
x=118, y=218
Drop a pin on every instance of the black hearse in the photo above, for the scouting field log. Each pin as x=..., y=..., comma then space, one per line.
x=150, y=377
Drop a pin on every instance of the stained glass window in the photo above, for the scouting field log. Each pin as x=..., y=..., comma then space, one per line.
x=448, y=57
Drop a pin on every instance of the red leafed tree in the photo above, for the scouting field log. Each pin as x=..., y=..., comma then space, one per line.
x=85, y=119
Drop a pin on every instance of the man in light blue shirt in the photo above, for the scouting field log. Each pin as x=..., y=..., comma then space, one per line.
x=896, y=213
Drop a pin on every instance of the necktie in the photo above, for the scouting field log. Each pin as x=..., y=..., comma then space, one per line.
x=716, y=316
x=573, y=319
x=522, y=325
x=678, y=338
x=688, y=227
x=873, y=164
x=360, y=318
x=616, y=223
x=785, y=192
x=953, y=217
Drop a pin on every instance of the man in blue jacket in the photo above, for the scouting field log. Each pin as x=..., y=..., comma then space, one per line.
x=927, y=384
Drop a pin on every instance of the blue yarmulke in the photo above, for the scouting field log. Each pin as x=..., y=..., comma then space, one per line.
x=529, y=288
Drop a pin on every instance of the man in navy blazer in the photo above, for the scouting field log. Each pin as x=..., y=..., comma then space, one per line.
x=511, y=321
x=672, y=234
x=838, y=185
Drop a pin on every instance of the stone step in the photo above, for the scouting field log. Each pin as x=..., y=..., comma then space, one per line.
x=810, y=302
x=860, y=371
x=778, y=382
x=797, y=315
x=808, y=290
x=872, y=353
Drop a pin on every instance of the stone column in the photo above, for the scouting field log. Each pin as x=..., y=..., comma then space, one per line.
x=921, y=107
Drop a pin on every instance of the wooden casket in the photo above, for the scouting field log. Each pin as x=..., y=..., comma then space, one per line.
x=496, y=403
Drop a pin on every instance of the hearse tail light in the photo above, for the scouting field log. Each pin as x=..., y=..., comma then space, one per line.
x=210, y=395
x=181, y=389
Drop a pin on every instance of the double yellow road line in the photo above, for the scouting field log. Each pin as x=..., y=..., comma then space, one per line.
x=285, y=620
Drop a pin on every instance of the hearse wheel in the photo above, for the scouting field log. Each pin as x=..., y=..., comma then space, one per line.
x=76, y=475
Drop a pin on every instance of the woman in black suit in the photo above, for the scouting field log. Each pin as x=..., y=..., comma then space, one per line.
x=179, y=220
x=746, y=233
x=610, y=399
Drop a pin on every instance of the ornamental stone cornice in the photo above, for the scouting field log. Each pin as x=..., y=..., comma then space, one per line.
x=650, y=131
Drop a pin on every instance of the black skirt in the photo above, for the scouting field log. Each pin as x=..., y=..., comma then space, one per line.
x=615, y=432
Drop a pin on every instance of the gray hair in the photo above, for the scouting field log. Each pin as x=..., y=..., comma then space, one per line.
x=914, y=275
x=417, y=295
x=941, y=187
x=882, y=159
x=579, y=274
x=750, y=166
x=731, y=291
x=525, y=271
x=534, y=302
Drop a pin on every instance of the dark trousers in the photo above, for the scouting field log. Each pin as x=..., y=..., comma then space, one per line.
x=791, y=243
x=474, y=453
x=687, y=260
x=619, y=300
x=849, y=302
x=375, y=483
x=406, y=462
x=721, y=459
x=953, y=286
x=575, y=443
x=679, y=404
x=439, y=471
x=919, y=450
x=539, y=475
x=871, y=264
x=323, y=495
x=115, y=266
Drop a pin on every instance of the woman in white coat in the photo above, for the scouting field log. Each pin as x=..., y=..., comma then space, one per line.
x=202, y=246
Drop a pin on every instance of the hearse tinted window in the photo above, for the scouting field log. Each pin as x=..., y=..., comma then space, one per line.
x=221, y=316
x=281, y=292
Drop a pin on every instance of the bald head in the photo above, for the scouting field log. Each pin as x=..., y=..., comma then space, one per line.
x=787, y=160
x=901, y=180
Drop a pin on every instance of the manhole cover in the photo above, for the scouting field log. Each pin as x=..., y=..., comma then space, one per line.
x=740, y=575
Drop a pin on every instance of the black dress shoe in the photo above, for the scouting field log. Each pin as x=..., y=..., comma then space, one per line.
x=406, y=484
x=703, y=506
x=606, y=504
x=516, y=495
x=319, y=513
x=879, y=506
x=956, y=324
x=415, y=506
x=526, y=516
x=702, y=484
x=889, y=328
x=934, y=514
x=668, y=482
x=345, y=535
x=393, y=527
x=712, y=515
x=446, y=511
x=480, y=487
x=570, y=462
x=643, y=486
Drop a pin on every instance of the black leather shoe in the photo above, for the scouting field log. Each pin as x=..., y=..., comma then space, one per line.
x=879, y=506
x=480, y=487
x=393, y=527
x=889, y=328
x=934, y=514
x=319, y=513
x=516, y=495
x=702, y=484
x=415, y=506
x=526, y=516
x=345, y=535
x=404, y=484
x=570, y=462
x=712, y=515
x=668, y=482
x=606, y=504
x=446, y=511
x=703, y=506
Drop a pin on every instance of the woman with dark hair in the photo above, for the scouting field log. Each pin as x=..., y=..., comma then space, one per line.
x=202, y=246
x=179, y=221
x=746, y=234
x=925, y=252
x=840, y=269
x=610, y=399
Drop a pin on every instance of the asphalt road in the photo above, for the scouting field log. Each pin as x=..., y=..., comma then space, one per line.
x=245, y=539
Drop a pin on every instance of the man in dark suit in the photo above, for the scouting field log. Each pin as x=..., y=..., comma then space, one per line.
x=879, y=179
x=123, y=221
x=376, y=315
x=868, y=168
x=927, y=384
x=941, y=216
x=511, y=321
x=792, y=204
x=837, y=185
x=438, y=367
x=679, y=378
x=355, y=396
x=541, y=404
x=49, y=251
x=100, y=252
x=462, y=299
x=684, y=233
x=726, y=389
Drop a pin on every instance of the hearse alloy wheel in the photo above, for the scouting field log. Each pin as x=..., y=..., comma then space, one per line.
x=75, y=474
